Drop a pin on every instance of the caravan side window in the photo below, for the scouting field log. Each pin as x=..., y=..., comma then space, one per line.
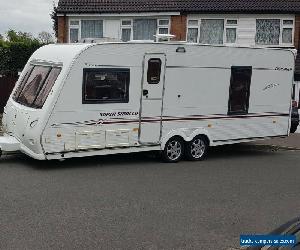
x=239, y=92
x=154, y=71
x=106, y=85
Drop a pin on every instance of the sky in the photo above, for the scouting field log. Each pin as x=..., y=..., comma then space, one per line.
x=26, y=16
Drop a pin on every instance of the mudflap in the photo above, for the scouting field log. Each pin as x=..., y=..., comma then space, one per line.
x=9, y=144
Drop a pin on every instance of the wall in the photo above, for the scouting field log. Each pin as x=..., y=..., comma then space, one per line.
x=178, y=27
x=7, y=84
x=297, y=32
x=62, y=29
x=111, y=25
x=246, y=29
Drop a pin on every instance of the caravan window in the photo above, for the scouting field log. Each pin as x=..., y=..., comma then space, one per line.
x=106, y=85
x=22, y=83
x=239, y=92
x=33, y=85
x=154, y=71
x=45, y=90
x=36, y=85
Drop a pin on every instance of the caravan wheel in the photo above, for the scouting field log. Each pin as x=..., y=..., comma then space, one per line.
x=196, y=149
x=174, y=150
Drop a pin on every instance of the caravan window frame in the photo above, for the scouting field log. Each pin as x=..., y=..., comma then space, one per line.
x=101, y=71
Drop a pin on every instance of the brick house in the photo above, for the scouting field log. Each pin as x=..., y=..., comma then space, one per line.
x=274, y=23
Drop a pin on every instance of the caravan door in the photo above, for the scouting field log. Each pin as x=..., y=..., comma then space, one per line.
x=152, y=98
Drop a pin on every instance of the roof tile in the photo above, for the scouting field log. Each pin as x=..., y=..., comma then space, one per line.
x=190, y=6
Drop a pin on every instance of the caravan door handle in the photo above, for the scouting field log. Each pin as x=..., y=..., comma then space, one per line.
x=145, y=92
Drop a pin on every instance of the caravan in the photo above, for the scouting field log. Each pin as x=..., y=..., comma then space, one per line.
x=81, y=100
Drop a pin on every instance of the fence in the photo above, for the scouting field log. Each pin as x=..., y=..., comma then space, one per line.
x=7, y=83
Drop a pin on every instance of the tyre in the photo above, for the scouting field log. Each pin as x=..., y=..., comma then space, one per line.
x=293, y=128
x=174, y=150
x=196, y=149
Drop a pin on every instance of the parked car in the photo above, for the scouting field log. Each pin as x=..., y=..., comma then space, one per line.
x=295, y=117
x=290, y=228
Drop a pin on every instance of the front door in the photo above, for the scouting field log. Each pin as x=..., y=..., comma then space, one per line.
x=152, y=98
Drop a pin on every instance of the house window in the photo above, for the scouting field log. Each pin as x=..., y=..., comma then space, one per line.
x=81, y=29
x=74, y=31
x=239, y=92
x=267, y=31
x=91, y=29
x=192, y=32
x=231, y=30
x=154, y=71
x=74, y=23
x=163, y=28
x=144, y=29
x=211, y=31
x=106, y=85
x=126, y=30
x=287, y=31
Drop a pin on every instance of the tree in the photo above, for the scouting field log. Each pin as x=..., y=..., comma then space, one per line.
x=1, y=38
x=45, y=37
x=20, y=37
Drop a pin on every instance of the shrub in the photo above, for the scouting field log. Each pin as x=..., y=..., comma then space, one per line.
x=14, y=55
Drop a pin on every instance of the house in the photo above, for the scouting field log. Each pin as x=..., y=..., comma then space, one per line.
x=272, y=23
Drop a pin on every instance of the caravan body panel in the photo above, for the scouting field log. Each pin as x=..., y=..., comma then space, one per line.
x=190, y=95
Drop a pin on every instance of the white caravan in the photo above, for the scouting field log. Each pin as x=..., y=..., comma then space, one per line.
x=96, y=99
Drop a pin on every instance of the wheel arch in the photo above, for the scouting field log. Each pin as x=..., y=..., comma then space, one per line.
x=186, y=135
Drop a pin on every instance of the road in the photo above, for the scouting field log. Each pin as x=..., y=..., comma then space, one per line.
x=136, y=202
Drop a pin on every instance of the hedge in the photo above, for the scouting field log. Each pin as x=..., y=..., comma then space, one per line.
x=14, y=55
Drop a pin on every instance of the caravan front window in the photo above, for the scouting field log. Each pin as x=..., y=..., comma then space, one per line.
x=36, y=85
x=33, y=85
x=22, y=83
x=45, y=90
